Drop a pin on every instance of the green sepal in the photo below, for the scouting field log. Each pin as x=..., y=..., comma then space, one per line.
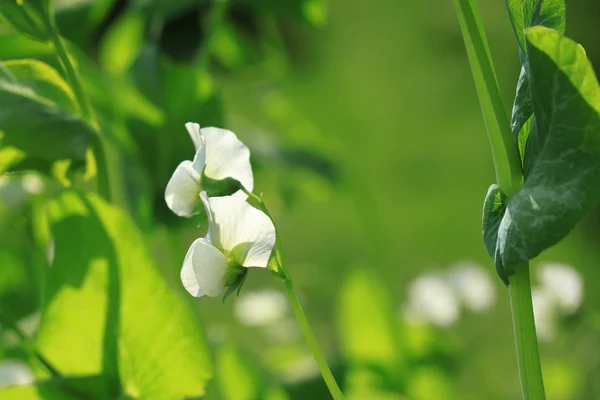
x=28, y=17
x=219, y=188
x=274, y=265
x=236, y=276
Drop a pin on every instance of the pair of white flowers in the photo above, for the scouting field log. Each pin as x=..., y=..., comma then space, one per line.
x=239, y=236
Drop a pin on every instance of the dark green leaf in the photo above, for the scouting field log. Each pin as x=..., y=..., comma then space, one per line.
x=528, y=13
x=493, y=211
x=45, y=81
x=525, y=14
x=107, y=307
x=563, y=152
x=27, y=17
x=38, y=127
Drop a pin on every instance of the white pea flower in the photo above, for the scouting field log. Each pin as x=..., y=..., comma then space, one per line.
x=432, y=299
x=219, y=155
x=564, y=284
x=239, y=237
x=473, y=286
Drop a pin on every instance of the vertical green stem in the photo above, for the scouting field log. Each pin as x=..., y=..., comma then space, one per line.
x=504, y=146
x=309, y=336
x=530, y=369
x=332, y=385
x=83, y=104
x=509, y=177
x=9, y=323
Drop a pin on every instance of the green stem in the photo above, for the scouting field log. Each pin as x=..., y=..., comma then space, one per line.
x=83, y=104
x=504, y=146
x=309, y=336
x=530, y=369
x=332, y=385
x=27, y=343
x=510, y=178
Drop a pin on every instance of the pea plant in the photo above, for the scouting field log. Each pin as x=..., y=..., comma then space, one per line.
x=112, y=327
x=547, y=156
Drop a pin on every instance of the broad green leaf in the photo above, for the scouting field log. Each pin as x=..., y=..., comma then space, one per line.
x=27, y=17
x=369, y=333
x=493, y=211
x=38, y=127
x=108, y=308
x=528, y=13
x=525, y=14
x=69, y=388
x=44, y=80
x=123, y=43
x=562, y=181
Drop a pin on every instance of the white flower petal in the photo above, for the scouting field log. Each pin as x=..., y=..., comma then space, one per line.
x=240, y=230
x=204, y=269
x=182, y=194
x=227, y=156
x=194, y=131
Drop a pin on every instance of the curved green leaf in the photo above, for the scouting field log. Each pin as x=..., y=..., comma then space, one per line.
x=44, y=80
x=108, y=310
x=563, y=152
x=364, y=294
x=27, y=17
x=525, y=14
x=38, y=127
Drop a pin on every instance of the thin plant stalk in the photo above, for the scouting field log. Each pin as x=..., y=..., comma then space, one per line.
x=28, y=345
x=509, y=177
x=309, y=336
x=83, y=104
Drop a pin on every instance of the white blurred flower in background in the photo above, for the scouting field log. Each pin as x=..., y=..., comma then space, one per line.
x=559, y=293
x=436, y=297
x=14, y=373
x=32, y=184
x=262, y=307
x=473, y=285
x=431, y=299
x=564, y=284
x=543, y=313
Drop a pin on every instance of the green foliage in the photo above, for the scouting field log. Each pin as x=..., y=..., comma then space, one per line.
x=28, y=17
x=524, y=14
x=38, y=125
x=363, y=294
x=562, y=157
x=107, y=310
x=69, y=388
x=43, y=80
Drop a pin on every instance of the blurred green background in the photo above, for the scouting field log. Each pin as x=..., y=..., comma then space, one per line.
x=368, y=144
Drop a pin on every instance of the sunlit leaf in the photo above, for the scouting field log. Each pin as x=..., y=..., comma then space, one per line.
x=525, y=14
x=44, y=80
x=107, y=307
x=39, y=128
x=562, y=156
x=236, y=378
x=122, y=43
x=27, y=17
x=369, y=333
